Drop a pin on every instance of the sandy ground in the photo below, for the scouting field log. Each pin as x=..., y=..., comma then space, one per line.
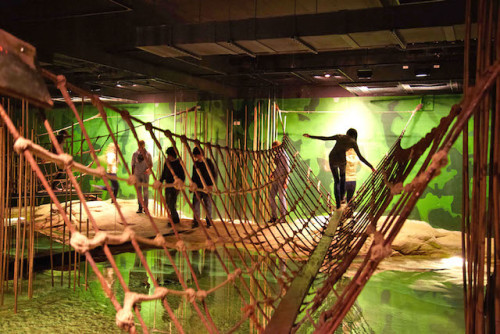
x=231, y=233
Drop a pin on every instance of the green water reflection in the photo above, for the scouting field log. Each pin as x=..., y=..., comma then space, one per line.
x=392, y=302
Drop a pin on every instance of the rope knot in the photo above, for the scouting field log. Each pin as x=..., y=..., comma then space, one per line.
x=157, y=184
x=67, y=160
x=379, y=250
x=178, y=183
x=167, y=133
x=159, y=240
x=201, y=295
x=124, y=319
x=181, y=246
x=82, y=244
x=21, y=145
x=193, y=187
x=249, y=310
x=101, y=171
x=161, y=292
x=132, y=180
x=125, y=114
x=232, y=276
x=190, y=295
x=210, y=245
x=397, y=188
x=79, y=242
x=148, y=126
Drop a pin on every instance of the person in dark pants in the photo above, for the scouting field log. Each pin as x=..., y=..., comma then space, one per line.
x=198, y=196
x=337, y=159
x=172, y=164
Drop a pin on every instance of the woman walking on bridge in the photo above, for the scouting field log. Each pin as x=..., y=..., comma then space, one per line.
x=337, y=159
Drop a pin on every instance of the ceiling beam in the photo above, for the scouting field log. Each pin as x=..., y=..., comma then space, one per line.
x=442, y=13
x=153, y=71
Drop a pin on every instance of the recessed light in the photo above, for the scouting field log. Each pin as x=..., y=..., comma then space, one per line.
x=327, y=75
x=437, y=66
x=405, y=67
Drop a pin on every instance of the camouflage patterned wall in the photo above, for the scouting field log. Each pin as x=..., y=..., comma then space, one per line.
x=379, y=122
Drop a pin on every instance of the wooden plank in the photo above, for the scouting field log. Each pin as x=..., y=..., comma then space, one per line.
x=284, y=317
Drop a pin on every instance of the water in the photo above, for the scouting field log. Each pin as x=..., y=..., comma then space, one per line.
x=428, y=300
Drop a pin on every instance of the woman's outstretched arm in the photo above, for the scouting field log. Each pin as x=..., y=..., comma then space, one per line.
x=320, y=137
x=356, y=149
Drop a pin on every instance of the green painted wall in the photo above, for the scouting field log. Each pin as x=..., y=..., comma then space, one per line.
x=379, y=121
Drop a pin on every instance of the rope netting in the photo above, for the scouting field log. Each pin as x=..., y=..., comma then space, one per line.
x=261, y=251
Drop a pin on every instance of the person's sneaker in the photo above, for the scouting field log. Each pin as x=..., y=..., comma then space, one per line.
x=195, y=224
x=139, y=211
x=209, y=223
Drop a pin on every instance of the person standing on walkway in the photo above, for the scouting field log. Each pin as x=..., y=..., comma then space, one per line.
x=205, y=195
x=141, y=168
x=337, y=159
x=172, y=164
x=351, y=170
x=280, y=177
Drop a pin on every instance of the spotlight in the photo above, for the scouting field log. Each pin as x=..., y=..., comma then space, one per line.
x=365, y=74
x=422, y=73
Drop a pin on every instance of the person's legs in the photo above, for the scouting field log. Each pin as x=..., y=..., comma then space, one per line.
x=145, y=189
x=350, y=188
x=282, y=199
x=171, y=199
x=114, y=184
x=342, y=182
x=207, y=199
x=336, y=181
x=272, y=200
x=196, y=209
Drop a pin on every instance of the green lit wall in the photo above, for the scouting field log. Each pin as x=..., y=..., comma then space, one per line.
x=379, y=121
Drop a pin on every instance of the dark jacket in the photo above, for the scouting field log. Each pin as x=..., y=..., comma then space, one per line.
x=204, y=173
x=167, y=176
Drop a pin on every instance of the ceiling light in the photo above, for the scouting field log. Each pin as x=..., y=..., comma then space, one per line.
x=364, y=89
x=327, y=75
x=365, y=74
x=422, y=73
x=405, y=67
x=317, y=77
x=436, y=66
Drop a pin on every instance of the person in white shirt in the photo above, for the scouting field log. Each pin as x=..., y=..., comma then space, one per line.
x=112, y=167
x=280, y=177
x=142, y=162
x=351, y=170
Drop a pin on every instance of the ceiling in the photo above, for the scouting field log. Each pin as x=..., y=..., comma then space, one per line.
x=153, y=50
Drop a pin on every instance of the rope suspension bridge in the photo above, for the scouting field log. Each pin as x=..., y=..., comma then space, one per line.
x=291, y=264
